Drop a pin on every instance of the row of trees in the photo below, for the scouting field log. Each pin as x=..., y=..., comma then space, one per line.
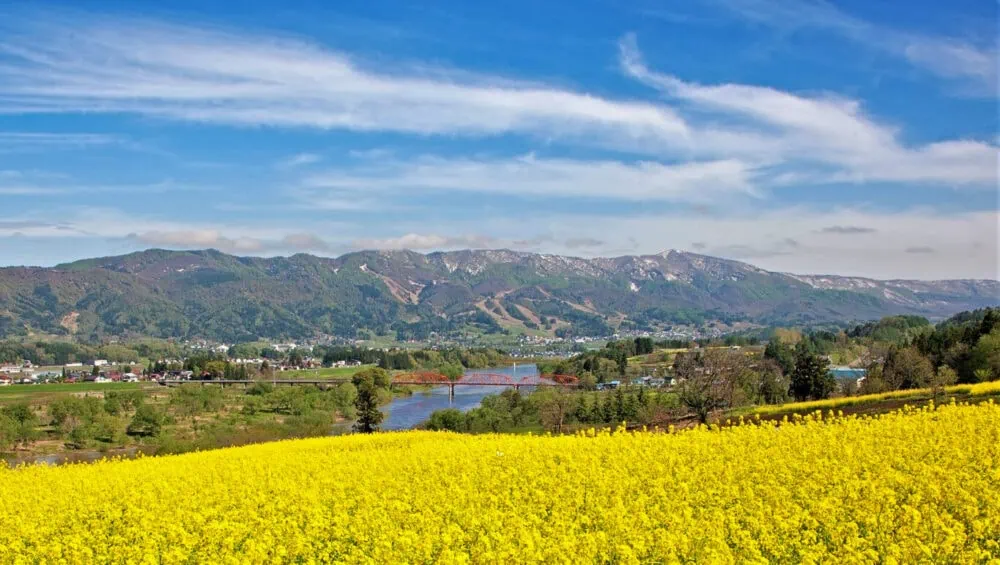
x=408, y=360
x=44, y=352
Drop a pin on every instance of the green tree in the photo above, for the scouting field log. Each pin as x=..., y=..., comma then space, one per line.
x=147, y=422
x=118, y=401
x=450, y=419
x=378, y=376
x=192, y=400
x=782, y=354
x=811, y=378
x=608, y=409
x=621, y=414
x=581, y=413
x=985, y=356
x=215, y=369
x=366, y=403
x=453, y=371
x=109, y=429
x=9, y=429
x=772, y=385
x=643, y=345
x=596, y=413
x=25, y=419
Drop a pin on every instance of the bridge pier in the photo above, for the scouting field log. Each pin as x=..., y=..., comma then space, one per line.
x=451, y=392
x=517, y=387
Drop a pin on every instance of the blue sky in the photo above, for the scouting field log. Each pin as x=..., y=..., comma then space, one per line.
x=853, y=138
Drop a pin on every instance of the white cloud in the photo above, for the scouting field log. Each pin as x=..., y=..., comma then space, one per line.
x=921, y=244
x=422, y=242
x=28, y=190
x=188, y=73
x=43, y=142
x=194, y=74
x=863, y=243
x=198, y=239
x=299, y=160
x=528, y=175
x=946, y=57
x=965, y=245
x=303, y=242
x=825, y=131
x=209, y=238
x=47, y=139
x=116, y=225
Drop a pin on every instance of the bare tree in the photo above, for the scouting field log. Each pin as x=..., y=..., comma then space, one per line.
x=941, y=378
x=712, y=379
x=554, y=404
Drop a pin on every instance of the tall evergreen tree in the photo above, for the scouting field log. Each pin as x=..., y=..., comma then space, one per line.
x=366, y=405
x=811, y=378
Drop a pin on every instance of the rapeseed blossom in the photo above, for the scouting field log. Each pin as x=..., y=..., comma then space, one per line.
x=979, y=389
x=912, y=486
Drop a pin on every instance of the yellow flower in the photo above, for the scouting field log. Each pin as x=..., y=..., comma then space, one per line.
x=911, y=486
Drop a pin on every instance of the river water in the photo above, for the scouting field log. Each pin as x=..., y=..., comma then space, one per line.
x=407, y=412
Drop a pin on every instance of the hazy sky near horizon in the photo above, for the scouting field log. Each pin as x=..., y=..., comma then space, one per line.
x=851, y=137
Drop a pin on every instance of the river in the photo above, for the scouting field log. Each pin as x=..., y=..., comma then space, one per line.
x=407, y=412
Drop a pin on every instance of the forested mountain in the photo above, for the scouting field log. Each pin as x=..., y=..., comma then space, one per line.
x=213, y=295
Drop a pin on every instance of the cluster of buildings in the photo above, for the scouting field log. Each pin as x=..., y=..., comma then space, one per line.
x=651, y=382
x=27, y=374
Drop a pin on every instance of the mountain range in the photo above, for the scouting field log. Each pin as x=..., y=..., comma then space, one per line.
x=213, y=295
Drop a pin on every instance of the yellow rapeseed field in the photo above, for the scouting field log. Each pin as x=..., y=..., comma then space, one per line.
x=908, y=487
x=978, y=389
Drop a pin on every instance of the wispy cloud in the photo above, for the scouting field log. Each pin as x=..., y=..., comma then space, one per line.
x=299, y=160
x=215, y=239
x=18, y=142
x=828, y=132
x=194, y=74
x=29, y=190
x=947, y=57
x=964, y=244
x=847, y=230
x=423, y=242
x=105, y=65
x=44, y=184
x=528, y=175
x=583, y=243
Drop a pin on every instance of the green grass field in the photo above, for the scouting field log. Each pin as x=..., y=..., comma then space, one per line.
x=325, y=373
x=45, y=393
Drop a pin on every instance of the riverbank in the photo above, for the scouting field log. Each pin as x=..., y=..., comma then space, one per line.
x=75, y=423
